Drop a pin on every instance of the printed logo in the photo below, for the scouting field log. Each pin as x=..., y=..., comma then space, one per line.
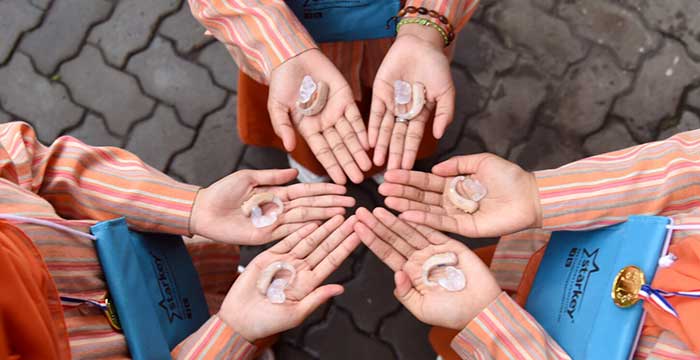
x=172, y=304
x=581, y=264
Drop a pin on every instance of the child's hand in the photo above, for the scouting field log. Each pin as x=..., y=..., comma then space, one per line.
x=217, y=213
x=315, y=252
x=512, y=202
x=337, y=136
x=405, y=249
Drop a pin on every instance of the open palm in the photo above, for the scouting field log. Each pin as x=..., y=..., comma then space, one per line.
x=405, y=249
x=217, y=213
x=337, y=135
x=412, y=60
x=314, y=252
x=511, y=204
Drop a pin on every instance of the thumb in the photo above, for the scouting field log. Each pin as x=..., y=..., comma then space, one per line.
x=459, y=165
x=405, y=293
x=316, y=298
x=282, y=125
x=273, y=176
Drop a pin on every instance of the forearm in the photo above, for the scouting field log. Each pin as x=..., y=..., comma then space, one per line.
x=660, y=178
x=259, y=37
x=101, y=183
x=505, y=331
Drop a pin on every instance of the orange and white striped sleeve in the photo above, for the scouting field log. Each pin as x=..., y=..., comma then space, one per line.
x=657, y=178
x=505, y=331
x=458, y=12
x=214, y=340
x=94, y=183
x=260, y=35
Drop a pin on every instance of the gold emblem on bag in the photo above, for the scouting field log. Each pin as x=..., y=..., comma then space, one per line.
x=111, y=313
x=626, y=286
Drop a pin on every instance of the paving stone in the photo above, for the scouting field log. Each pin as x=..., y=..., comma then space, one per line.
x=337, y=339
x=465, y=146
x=112, y=93
x=286, y=351
x=216, y=150
x=688, y=121
x=694, y=98
x=548, y=38
x=678, y=18
x=215, y=57
x=482, y=54
x=159, y=137
x=5, y=117
x=584, y=97
x=130, y=27
x=614, y=136
x=184, y=29
x=93, y=132
x=62, y=32
x=611, y=25
x=178, y=82
x=43, y=4
x=366, y=295
x=17, y=17
x=35, y=99
x=408, y=335
x=546, y=149
x=257, y=157
x=658, y=90
x=510, y=112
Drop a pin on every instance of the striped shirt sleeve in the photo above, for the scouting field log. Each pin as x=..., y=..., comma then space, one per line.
x=657, y=178
x=260, y=35
x=214, y=340
x=457, y=12
x=505, y=331
x=97, y=183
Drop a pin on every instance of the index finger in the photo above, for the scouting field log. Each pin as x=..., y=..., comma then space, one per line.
x=384, y=251
x=417, y=179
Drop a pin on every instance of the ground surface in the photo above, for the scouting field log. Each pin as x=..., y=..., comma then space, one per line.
x=541, y=82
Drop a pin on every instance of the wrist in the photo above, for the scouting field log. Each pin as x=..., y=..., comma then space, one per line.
x=423, y=33
x=233, y=323
x=536, y=204
x=194, y=213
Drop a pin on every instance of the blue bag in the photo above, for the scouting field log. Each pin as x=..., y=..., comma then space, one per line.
x=153, y=285
x=346, y=20
x=571, y=295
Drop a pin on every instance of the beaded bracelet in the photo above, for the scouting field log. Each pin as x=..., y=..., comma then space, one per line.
x=425, y=22
x=449, y=29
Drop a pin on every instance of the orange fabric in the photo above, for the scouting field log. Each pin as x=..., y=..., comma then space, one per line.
x=529, y=276
x=31, y=321
x=439, y=337
x=255, y=128
x=683, y=275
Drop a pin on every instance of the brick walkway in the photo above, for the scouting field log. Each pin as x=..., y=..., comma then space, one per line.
x=541, y=82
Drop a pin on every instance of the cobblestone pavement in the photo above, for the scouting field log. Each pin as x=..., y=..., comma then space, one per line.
x=541, y=82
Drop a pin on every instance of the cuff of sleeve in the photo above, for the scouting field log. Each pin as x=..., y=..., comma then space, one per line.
x=548, y=221
x=456, y=12
x=217, y=340
x=182, y=197
x=481, y=336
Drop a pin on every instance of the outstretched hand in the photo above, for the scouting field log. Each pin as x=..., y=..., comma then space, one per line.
x=416, y=56
x=337, y=136
x=315, y=252
x=405, y=249
x=511, y=204
x=217, y=212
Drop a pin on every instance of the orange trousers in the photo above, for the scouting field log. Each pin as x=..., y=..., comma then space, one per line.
x=255, y=128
